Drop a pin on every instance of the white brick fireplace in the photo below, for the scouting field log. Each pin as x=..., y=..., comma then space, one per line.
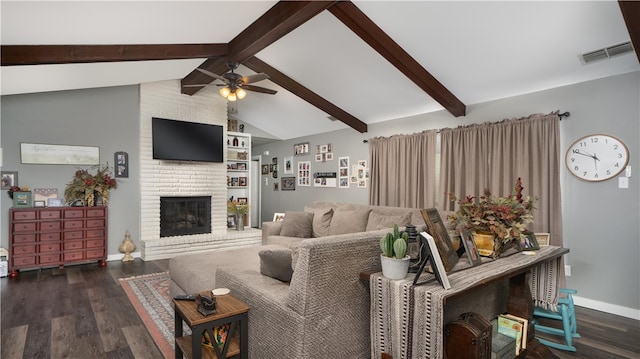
x=169, y=178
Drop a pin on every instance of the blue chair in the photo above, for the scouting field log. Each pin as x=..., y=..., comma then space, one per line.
x=567, y=314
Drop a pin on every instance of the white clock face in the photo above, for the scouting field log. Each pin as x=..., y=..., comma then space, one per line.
x=597, y=157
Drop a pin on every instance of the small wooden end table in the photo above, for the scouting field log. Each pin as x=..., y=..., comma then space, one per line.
x=230, y=310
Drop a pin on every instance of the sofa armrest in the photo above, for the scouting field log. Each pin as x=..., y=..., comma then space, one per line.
x=270, y=229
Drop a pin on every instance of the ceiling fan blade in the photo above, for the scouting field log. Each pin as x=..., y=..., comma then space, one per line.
x=259, y=89
x=204, y=85
x=211, y=74
x=254, y=78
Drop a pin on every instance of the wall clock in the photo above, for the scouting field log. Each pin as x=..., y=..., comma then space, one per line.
x=597, y=157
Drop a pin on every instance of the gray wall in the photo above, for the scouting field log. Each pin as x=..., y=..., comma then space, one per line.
x=601, y=221
x=104, y=117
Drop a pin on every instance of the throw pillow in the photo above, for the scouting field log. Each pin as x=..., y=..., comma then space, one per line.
x=381, y=221
x=275, y=262
x=297, y=224
x=349, y=221
x=321, y=220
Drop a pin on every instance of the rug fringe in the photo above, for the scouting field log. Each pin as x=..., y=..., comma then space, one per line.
x=144, y=276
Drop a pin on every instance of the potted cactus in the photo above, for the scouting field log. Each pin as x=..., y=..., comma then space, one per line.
x=394, y=258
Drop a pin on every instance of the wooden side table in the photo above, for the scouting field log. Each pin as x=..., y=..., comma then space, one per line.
x=230, y=310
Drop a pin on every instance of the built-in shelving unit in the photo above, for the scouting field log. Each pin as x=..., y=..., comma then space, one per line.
x=239, y=169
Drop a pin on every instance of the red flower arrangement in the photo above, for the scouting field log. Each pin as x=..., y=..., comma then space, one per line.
x=505, y=217
x=86, y=186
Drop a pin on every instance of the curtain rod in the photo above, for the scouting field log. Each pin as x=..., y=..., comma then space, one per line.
x=561, y=115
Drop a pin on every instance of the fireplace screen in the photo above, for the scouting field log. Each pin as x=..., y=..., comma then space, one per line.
x=181, y=216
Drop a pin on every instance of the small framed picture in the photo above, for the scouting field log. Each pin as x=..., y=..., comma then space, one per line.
x=9, y=178
x=288, y=183
x=39, y=204
x=121, y=160
x=265, y=169
x=277, y=217
x=231, y=220
x=242, y=166
x=529, y=243
x=243, y=200
x=470, y=248
x=55, y=202
x=242, y=181
x=543, y=239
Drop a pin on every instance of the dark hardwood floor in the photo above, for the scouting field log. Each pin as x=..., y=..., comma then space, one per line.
x=82, y=312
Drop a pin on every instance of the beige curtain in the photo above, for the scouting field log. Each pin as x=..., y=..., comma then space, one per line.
x=402, y=170
x=494, y=155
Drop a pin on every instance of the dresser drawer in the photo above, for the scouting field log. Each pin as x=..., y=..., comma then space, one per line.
x=95, y=253
x=96, y=212
x=49, y=258
x=23, y=261
x=93, y=243
x=73, y=224
x=73, y=245
x=50, y=236
x=24, y=227
x=22, y=250
x=73, y=256
x=51, y=247
x=73, y=235
x=23, y=215
x=50, y=214
x=73, y=213
x=24, y=238
x=50, y=226
x=93, y=223
x=95, y=233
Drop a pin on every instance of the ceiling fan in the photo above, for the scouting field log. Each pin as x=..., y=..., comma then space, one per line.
x=236, y=84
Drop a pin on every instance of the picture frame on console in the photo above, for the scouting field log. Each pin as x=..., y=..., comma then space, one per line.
x=543, y=239
x=470, y=248
x=435, y=258
x=437, y=229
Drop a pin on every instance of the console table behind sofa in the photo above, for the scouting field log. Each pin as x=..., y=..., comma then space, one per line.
x=407, y=321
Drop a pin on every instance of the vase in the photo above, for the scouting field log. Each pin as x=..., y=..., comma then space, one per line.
x=485, y=243
x=98, y=199
x=394, y=268
x=240, y=222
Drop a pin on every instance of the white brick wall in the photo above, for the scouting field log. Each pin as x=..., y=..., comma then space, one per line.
x=168, y=178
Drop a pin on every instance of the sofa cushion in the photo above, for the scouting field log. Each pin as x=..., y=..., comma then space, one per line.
x=275, y=262
x=379, y=220
x=321, y=220
x=297, y=224
x=349, y=221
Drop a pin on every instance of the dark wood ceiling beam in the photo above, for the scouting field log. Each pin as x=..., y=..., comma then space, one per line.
x=367, y=30
x=304, y=93
x=631, y=14
x=282, y=18
x=13, y=55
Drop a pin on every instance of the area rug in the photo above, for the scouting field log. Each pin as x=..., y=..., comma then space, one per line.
x=149, y=295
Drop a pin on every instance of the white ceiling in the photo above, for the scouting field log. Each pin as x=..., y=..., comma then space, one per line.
x=479, y=50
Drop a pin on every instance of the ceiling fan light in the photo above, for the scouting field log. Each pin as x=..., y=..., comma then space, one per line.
x=241, y=93
x=232, y=97
x=225, y=91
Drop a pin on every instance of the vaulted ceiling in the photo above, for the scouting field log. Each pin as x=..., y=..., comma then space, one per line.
x=360, y=62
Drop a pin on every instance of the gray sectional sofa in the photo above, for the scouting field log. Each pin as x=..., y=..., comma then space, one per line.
x=305, y=295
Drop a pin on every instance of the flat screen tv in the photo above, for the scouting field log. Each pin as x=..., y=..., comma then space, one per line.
x=187, y=141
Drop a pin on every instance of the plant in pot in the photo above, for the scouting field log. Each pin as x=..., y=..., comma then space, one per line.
x=394, y=258
x=239, y=210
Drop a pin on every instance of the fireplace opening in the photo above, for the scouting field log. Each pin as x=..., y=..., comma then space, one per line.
x=181, y=216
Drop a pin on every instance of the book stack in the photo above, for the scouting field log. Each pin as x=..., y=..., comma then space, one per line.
x=502, y=346
x=514, y=327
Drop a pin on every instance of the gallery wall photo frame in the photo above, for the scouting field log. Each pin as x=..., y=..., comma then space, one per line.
x=121, y=160
x=9, y=178
x=41, y=153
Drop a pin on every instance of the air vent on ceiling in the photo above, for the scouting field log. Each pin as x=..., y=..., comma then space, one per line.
x=606, y=53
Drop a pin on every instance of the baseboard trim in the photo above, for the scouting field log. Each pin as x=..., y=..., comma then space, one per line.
x=607, y=307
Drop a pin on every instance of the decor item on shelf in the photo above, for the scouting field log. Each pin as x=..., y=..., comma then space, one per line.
x=505, y=218
x=93, y=190
x=394, y=258
x=21, y=196
x=14, y=189
x=239, y=209
x=127, y=246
